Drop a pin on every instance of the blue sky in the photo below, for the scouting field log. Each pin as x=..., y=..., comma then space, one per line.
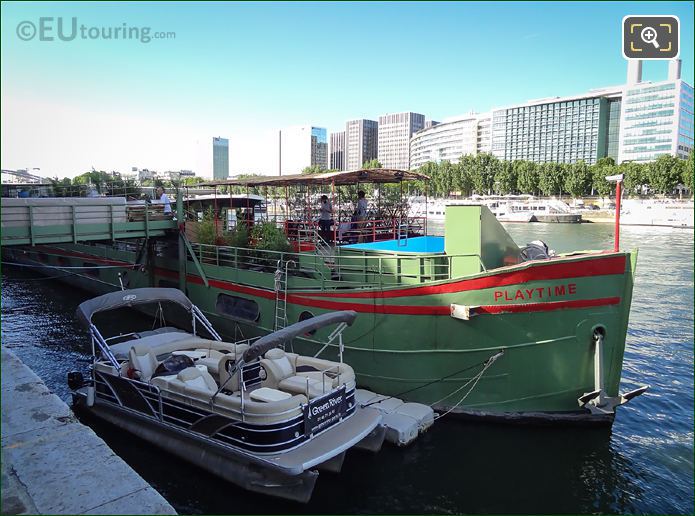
x=246, y=70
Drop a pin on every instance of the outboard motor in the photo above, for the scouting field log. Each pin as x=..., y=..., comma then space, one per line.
x=536, y=250
x=75, y=380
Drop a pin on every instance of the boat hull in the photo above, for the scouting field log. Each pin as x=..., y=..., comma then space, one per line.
x=542, y=315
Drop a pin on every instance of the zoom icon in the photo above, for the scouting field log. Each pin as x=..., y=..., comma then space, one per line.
x=651, y=37
x=26, y=30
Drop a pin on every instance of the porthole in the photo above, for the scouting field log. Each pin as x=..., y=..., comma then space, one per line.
x=238, y=307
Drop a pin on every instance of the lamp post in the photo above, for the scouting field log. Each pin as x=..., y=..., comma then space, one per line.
x=618, y=180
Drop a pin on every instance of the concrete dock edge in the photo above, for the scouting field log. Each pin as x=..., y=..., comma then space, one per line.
x=53, y=464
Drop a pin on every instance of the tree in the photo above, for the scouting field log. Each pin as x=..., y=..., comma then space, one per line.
x=526, y=176
x=687, y=172
x=551, y=178
x=577, y=179
x=462, y=177
x=483, y=171
x=604, y=167
x=372, y=163
x=664, y=173
x=634, y=176
x=313, y=169
x=506, y=178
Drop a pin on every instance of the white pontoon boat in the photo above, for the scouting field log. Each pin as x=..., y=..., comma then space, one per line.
x=258, y=416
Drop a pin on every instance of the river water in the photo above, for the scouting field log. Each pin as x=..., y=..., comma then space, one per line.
x=644, y=464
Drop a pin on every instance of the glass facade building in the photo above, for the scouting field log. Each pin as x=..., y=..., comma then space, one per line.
x=319, y=147
x=220, y=158
x=657, y=118
x=559, y=130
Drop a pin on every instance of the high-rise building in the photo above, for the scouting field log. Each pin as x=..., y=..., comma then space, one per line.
x=657, y=118
x=303, y=146
x=451, y=139
x=361, y=142
x=336, y=151
x=446, y=141
x=484, y=143
x=559, y=130
x=637, y=121
x=220, y=158
x=395, y=131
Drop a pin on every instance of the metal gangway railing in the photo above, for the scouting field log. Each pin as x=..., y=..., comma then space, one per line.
x=31, y=221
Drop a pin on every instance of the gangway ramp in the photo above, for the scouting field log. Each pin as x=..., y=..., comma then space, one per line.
x=79, y=219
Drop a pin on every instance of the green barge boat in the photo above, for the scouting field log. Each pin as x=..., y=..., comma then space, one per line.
x=463, y=322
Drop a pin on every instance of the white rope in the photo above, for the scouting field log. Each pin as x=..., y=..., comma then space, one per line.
x=475, y=381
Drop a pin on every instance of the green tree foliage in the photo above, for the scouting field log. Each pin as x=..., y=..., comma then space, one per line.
x=634, y=176
x=604, y=167
x=687, y=172
x=551, y=178
x=483, y=172
x=578, y=179
x=313, y=169
x=506, y=178
x=526, y=176
x=372, y=163
x=664, y=173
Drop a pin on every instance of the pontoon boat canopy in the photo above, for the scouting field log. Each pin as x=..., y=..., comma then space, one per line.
x=279, y=337
x=351, y=177
x=129, y=298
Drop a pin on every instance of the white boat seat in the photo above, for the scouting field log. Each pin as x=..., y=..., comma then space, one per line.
x=299, y=385
x=195, y=383
x=277, y=366
x=268, y=395
x=211, y=361
x=143, y=360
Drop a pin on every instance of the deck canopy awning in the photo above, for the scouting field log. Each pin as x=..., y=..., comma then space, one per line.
x=129, y=298
x=372, y=175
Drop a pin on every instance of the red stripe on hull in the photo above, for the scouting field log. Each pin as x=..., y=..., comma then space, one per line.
x=396, y=309
x=573, y=269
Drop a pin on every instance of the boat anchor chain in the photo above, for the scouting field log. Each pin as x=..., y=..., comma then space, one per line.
x=597, y=401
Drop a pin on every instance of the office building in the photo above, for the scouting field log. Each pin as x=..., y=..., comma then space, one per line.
x=303, y=146
x=395, y=131
x=220, y=158
x=336, y=151
x=361, y=142
x=446, y=141
x=451, y=139
x=637, y=121
x=657, y=118
x=559, y=130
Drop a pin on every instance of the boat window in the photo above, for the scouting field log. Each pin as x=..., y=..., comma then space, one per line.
x=162, y=283
x=238, y=307
x=303, y=317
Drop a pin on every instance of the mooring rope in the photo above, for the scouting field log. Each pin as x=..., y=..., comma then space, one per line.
x=477, y=378
x=483, y=363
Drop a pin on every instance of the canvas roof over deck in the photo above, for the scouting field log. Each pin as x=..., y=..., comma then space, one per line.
x=372, y=175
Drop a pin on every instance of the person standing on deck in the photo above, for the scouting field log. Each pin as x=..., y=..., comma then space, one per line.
x=164, y=199
x=325, y=219
x=360, y=213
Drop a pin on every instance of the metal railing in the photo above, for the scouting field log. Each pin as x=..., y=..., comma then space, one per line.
x=337, y=270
